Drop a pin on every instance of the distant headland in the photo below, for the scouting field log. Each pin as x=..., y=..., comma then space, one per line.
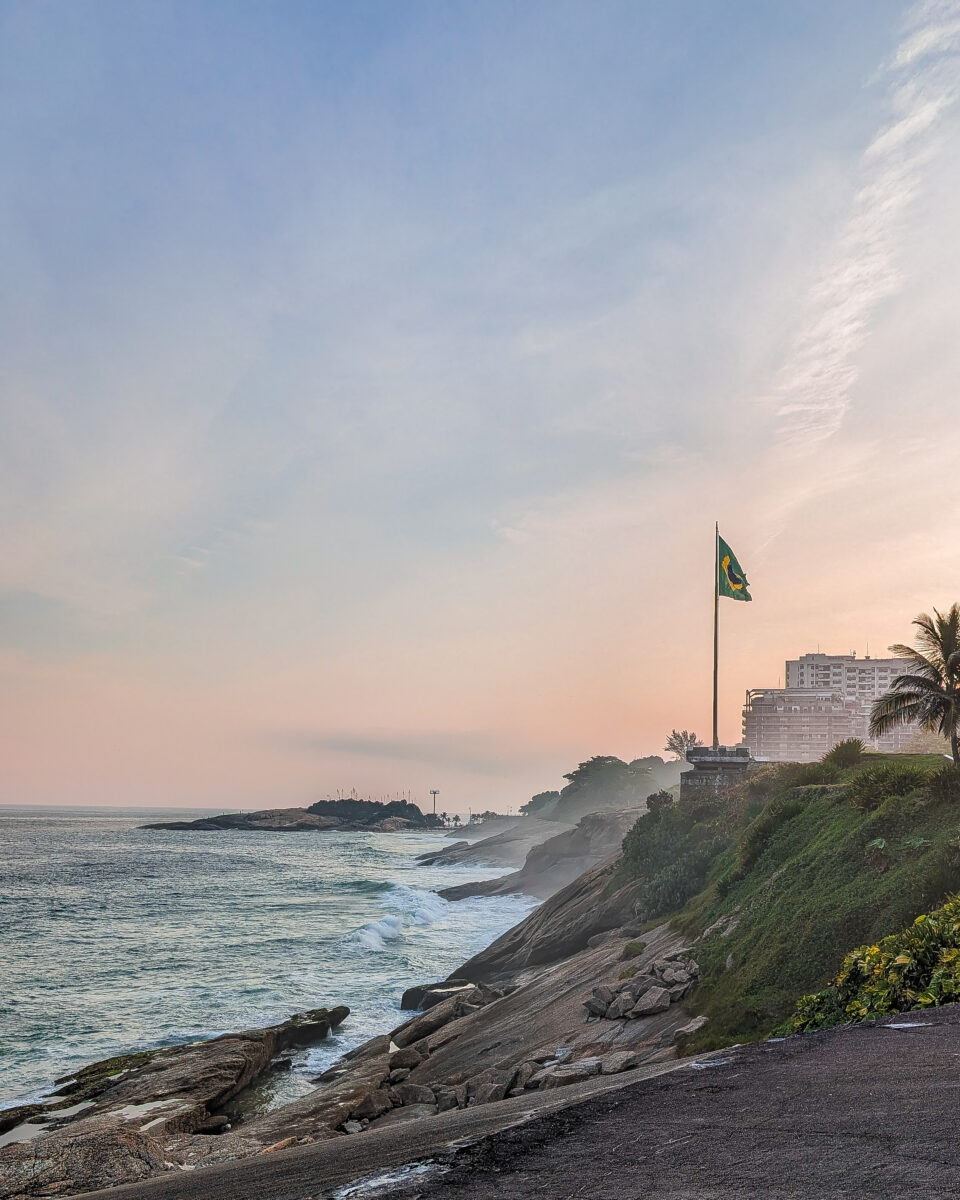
x=326, y=815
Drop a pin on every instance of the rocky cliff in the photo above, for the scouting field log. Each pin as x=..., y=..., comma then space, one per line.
x=558, y=860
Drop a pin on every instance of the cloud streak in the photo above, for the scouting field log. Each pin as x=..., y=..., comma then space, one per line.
x=815, y=388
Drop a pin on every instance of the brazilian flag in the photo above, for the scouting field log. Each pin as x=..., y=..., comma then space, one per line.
x=731, y=580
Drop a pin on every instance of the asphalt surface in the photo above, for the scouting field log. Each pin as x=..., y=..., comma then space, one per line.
x=866, y=1111
x=860, y=1112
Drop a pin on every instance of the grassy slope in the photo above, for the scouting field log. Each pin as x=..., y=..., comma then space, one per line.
x=815, y=891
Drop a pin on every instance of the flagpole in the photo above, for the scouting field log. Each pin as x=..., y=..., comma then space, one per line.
x=716, y=624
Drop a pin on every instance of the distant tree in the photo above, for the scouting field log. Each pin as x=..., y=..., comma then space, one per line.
x=538, y=802
x=602, y=782
x=658, y=801
x=456, y=820
x=928, y=692
x=679, y=741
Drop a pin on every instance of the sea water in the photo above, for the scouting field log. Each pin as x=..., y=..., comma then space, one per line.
x=115, y=938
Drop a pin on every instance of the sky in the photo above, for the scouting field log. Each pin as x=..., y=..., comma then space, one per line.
x=373, y=375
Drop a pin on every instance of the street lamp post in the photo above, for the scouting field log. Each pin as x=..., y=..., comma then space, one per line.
x=434, y=792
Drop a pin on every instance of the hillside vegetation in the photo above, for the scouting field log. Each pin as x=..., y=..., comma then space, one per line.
x=782, y=874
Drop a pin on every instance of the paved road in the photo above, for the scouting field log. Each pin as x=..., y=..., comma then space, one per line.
x=854, y=1113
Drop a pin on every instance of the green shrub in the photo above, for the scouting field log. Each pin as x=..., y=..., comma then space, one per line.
x=918, y=968
x=869, y=788
x=631, y=950
x=628, y=973
x=759, y=832
x=944, y=784
x=845, y=754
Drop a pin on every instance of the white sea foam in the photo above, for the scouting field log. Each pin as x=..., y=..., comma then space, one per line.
x=411, y=908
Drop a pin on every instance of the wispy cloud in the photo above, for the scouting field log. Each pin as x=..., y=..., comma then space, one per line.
x=815, y=386
x=478, y=752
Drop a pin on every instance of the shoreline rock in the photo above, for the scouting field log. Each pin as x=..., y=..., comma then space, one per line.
x=111, y=1122
x=325, y=816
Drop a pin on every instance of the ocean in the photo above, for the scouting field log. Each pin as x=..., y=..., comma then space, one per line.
x=115, y=938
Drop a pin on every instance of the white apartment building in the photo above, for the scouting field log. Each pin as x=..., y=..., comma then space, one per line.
x=852, y=677
x=827, y=698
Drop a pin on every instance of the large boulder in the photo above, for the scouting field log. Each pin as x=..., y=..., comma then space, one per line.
x=66, y=1162
x=655, y=1000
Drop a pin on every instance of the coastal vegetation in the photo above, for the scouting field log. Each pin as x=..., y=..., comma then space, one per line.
x=917, y=968
x=601, y=783
x=679, y=741
x=778, y=873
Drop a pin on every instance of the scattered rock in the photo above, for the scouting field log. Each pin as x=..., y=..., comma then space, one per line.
x=619, y=1060
x=352, y=1127
x=410, y=1112
x=415, y=1093
x=489, y=1085
x=407, y=1057
x=689, y=1029
x=373, y=1105
x=447, y=1099
x=214, y=1124
x=525, y=1074
x=398, y=1076
x=655, y=1000
x=426, y=995
x=562, y=1076
x=435, y=1018
x=621, y=1006
x=281, y=1145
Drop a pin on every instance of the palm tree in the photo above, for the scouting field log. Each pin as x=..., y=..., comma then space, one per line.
x=929, y=692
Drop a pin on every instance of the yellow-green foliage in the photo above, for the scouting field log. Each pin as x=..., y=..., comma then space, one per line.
x=628, y=973
x=631, y=950
x=918, y=968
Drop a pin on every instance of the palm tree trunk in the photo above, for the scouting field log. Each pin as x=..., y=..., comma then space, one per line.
x=955, y=746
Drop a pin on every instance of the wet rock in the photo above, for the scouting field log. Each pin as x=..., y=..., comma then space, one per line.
x=426, y=995
x=215, y=1124
x=434, y=1018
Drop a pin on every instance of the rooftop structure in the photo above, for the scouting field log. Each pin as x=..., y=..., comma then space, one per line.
x=714, y=767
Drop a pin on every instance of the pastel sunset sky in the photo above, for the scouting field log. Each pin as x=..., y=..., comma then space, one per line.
x=373, y=374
